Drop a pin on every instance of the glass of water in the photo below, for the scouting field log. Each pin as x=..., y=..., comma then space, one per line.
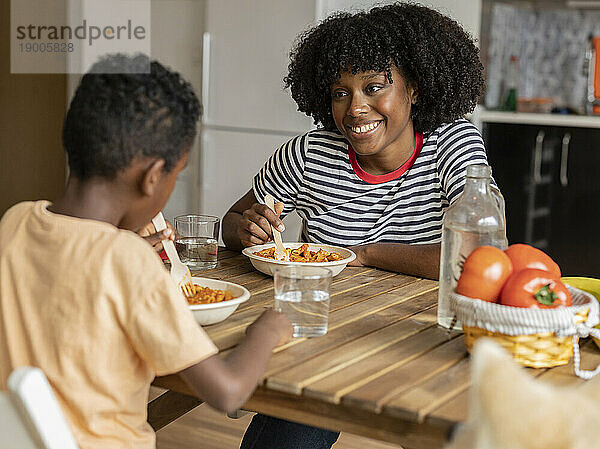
x=196, y=240
x=302, y=294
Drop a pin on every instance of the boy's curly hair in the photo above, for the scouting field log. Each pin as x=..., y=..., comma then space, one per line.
x=118, y=112
x=431, y=51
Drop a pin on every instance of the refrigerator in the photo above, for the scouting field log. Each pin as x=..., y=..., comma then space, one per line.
x=247, y=114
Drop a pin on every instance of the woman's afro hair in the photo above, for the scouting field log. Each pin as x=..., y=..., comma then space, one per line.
x=431, y=51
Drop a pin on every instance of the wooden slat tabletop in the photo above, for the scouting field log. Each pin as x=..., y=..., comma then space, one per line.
x=384, y=369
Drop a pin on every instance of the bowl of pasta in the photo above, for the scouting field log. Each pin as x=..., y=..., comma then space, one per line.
x=215, y=300
x=335, y=258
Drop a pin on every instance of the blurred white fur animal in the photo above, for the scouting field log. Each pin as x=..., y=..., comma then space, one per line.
x=509, y=409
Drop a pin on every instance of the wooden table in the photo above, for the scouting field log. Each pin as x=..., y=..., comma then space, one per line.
x=384, y=370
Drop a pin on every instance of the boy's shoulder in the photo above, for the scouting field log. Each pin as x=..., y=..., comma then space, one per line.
x=130, y=241
x=11, y=219
x=130, y=256
x=31, y=218
x=17, y=212
x=126, y=250
x=121, y=255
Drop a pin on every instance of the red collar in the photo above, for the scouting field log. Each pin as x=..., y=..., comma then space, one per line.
x=378, y=179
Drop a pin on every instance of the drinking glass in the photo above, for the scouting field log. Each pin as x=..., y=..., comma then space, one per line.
x=302, y=294
x=197, y=240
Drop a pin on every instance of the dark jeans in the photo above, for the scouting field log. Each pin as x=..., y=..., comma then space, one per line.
x=266, y=432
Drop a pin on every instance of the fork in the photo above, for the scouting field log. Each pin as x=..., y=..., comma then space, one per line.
x=179, y=271
x=280, y=253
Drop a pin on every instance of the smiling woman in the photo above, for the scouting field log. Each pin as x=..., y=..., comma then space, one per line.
x=388, y=89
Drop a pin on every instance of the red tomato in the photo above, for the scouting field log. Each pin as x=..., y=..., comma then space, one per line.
x=484, y=273
x=526, y=256
x=534, y=288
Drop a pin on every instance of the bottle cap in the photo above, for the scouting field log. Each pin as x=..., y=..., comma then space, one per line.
x=479, y=171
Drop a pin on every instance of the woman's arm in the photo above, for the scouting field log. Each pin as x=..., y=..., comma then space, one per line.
x=416, y=260
x=248, y=223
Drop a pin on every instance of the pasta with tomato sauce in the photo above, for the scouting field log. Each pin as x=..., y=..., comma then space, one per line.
x=301, y=254
x=206, y=295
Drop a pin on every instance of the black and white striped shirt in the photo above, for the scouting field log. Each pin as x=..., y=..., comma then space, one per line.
x=317, y=175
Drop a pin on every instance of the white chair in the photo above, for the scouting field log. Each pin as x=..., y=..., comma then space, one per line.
x=30, y=417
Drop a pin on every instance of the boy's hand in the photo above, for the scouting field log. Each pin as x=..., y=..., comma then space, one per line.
x=255, y=226
x=273, y=322
x=149, y=233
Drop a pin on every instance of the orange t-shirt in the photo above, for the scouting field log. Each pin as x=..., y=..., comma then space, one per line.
x=94, y=308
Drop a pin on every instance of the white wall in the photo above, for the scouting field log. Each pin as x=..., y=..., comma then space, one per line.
x=177, y=27
x=465, y=12
x=248, y=114
x=247, y=60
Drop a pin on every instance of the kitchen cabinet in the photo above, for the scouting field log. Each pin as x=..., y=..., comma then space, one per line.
x=575, y=219
x=547, y=175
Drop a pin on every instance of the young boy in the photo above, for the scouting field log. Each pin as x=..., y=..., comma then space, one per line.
x=86, y=299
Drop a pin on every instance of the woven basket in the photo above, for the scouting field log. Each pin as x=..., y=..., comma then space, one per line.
x=543, y=350
x=537, y=338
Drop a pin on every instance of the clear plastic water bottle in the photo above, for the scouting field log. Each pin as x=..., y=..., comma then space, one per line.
x=476, y=218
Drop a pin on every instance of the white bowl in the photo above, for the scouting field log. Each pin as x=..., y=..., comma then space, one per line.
x=216, y=312
x=268, y=266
